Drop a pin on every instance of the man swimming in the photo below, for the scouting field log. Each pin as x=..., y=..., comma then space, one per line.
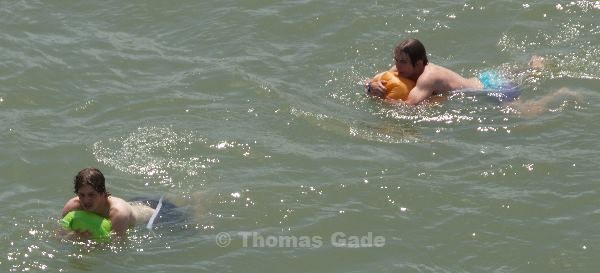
x=431, y=79
x=93, y=197
x=411, y=62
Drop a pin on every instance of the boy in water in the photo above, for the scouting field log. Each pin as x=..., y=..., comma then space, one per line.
x=93, y=197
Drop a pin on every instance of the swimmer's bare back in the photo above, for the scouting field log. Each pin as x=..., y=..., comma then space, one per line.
x=141, y=212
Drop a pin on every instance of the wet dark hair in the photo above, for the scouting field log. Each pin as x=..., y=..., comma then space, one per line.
x=92, y=177
x=414, y=49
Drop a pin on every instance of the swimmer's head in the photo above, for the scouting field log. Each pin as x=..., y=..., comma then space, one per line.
x=92, y=177
x=414, y=49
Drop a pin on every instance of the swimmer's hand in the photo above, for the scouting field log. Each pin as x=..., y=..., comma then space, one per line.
x=77, y=235
x=376, y=89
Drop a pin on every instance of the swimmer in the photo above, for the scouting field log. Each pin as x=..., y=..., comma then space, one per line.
x=411, y=62
x=93, y=197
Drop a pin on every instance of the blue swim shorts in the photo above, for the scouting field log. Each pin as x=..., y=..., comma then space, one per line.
x=497, y=85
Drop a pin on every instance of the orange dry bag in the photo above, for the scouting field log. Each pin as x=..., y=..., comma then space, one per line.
x=397, y=87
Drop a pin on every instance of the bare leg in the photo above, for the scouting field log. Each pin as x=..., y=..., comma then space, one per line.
x=537, y=62
x=535, y=107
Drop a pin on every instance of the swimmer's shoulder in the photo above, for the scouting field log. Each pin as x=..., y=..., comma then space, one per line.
x=119, y=207
x=71, y=205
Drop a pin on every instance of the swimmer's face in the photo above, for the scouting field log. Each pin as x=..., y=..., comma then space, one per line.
x=89, y=198
x=405, y=67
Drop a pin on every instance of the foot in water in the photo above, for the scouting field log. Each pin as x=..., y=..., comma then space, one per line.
x=537, y=61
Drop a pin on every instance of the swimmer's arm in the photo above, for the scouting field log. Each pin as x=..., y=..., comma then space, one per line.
x=76, y=235
x=71, y=205
x=119, y=221
x=423, y=89
x=417, y=95
x=376, y=88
